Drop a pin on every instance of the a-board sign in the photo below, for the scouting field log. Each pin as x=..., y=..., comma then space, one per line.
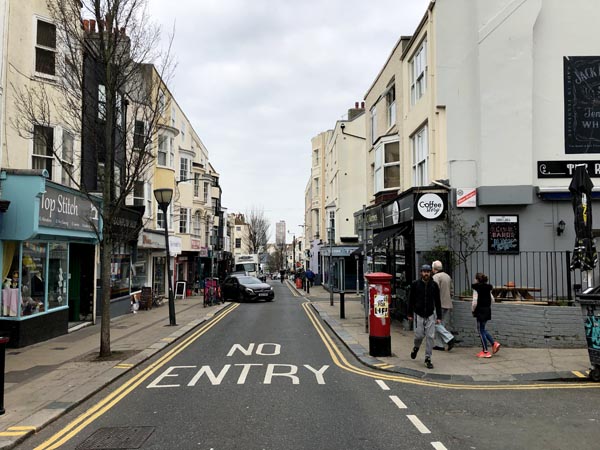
x=503, y=234
x=180, y=289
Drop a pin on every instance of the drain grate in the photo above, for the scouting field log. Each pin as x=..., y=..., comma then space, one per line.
x=117, y=438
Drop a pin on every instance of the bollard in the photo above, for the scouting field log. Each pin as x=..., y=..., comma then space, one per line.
x=307, y=287
x=342, y=305
x=3, y=342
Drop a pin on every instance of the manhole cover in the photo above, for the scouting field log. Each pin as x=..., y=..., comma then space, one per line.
x=117, y=438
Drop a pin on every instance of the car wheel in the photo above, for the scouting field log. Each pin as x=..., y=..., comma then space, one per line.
x=241, y=297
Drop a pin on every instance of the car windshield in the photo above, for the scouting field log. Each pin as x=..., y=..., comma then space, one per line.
x=249, y=280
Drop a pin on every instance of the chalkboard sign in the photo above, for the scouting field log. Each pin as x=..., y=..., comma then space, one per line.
x=503, y=235
x=180, y=289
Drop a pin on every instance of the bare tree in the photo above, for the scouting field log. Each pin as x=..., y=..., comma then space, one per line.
x=258, y=230
x=110, y=73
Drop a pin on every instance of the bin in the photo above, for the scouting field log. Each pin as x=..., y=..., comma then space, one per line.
x=299, y=283
x=590, y=308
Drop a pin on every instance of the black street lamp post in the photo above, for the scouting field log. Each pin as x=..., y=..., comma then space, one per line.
x=163, y=198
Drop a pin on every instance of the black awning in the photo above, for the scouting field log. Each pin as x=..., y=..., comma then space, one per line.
x=380, y=238
x=390, y=233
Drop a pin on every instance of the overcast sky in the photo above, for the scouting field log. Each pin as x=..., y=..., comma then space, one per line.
x=259, y=78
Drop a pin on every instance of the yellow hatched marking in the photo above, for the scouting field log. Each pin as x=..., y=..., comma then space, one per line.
x=123, y=366
x=380, y=364
x=12, y=433
x=168, y=339
x=577, y=373
x=386, y=366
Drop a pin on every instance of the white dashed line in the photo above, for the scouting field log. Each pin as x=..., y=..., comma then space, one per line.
x=398, y=402
x=382, y=385
x=438, y=446
x=418, y=424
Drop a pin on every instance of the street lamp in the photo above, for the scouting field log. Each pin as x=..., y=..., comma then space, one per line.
x=330, y=238
x=163, y=198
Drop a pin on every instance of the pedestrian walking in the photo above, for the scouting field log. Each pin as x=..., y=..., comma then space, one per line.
x=482, y=311
x=310, y=276
x=425, y=307
x=444, y=282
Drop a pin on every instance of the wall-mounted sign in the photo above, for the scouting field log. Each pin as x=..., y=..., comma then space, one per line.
x=503, y=234
x=466, y=198
x=196, y=244
x=61, y=209
x=174, y=245
x=395, y=212
x=431, y=206
x=582, y=109
x=565, y=169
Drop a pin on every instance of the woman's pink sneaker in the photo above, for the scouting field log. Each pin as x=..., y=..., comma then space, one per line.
x=483, y=354
x=496, y=347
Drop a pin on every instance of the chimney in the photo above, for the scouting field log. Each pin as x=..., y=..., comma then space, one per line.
x=92, y=26
x=362, y=105
x=86, y=25
x=353, y=112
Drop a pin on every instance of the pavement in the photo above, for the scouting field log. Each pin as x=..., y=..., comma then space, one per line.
x=44, y=381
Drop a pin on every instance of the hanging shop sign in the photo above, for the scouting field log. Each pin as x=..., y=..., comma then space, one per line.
x=582, y=110
x=431, y=206
x=174, y=245
x=196, y=244
x=503, y=234
x=61, y=209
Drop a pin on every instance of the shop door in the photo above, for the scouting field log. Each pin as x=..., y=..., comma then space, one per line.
x=158, y=275
x=81, y=284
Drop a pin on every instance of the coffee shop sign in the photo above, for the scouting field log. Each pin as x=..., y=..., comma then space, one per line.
x=430, y=206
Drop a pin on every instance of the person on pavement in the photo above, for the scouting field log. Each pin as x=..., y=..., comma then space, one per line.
x=444, y=282
x=425, y=307
x=282, y=275
x=482, y=311
x=310, y=276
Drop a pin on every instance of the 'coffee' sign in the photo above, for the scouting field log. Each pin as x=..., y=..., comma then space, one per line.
x=431, y=206
x=61, y=209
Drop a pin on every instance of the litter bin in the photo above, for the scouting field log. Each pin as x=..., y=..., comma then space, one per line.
x=590, y=308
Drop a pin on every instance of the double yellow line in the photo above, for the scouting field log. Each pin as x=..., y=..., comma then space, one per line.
x=340, y=361
x=75, y=427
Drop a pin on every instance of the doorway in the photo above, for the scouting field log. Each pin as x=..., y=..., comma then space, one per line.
x=81, y=282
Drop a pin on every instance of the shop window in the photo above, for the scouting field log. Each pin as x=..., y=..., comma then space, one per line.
x=57, y=275
x=33, y=278
x=119, y=274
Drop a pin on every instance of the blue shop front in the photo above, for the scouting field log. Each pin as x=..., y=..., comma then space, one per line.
x=47, y=259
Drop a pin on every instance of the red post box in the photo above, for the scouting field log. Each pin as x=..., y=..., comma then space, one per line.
x=380, y=343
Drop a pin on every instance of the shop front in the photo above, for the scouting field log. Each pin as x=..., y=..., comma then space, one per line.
x=339, y=267
x=49, y=248
x=150, y=263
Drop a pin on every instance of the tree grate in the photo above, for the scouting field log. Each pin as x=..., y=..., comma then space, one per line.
x=117, y=438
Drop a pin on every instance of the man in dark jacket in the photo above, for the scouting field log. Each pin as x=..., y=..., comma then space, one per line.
x=425, y=306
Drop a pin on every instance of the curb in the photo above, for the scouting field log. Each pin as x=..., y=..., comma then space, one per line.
x=362, y=354
x=40, y=419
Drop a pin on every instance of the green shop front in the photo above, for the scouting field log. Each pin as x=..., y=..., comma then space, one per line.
x=48, y=254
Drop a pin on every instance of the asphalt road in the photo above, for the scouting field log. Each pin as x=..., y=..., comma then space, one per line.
x=268, y=376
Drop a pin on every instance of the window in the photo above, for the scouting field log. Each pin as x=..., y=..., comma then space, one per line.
x=238, y=242
x=197, y=223
x=139, y=135
x=387, y=166
x=183, y=220
x=418, y=67
x=163, y=151
x=173, y=117
x=171, y=153
x=183, y=131
x=160, y=219
x=184, y=169
x=331, y=230
x=373, y=124
x=238, y=228
x=316, y=157
x=391, y=106
x=101, y=102
x=67, y=158
x=420, y=149
x=45, y=48
x=316, y=187
x=138, y=193
x=196, y=185
x=43, y=144
x=205, y=192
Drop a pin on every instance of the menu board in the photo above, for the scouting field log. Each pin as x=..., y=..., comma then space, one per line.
x=503, y=234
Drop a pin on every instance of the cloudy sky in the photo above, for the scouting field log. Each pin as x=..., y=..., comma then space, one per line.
x=259, y=78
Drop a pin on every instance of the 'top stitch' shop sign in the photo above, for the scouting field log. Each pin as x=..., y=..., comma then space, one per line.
x=59, y=209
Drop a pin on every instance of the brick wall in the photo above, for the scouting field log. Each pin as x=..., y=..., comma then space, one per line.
x=521, y=325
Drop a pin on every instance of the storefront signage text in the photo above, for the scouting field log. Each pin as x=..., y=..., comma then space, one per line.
x=60, y=209
x=430, y=206
x=503, y=234
x=565, y=169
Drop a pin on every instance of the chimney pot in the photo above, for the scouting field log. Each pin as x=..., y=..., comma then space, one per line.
x=356, y=104
x=93, y=26
x=86, y=25
x=362, y=105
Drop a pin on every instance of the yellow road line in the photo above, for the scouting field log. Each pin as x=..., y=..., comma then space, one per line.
x=12, y=433
x=86, y=418
x=339, y=360
x=577, y=373
x=25, y=428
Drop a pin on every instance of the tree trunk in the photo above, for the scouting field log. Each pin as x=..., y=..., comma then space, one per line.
x=106, y=253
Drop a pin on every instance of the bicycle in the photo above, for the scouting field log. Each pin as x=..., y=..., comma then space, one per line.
x=158, y=300
x=212, y=292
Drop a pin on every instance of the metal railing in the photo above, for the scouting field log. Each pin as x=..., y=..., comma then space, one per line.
x=546, y=272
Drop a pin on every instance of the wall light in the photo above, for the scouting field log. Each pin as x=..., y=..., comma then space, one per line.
x=560, y=229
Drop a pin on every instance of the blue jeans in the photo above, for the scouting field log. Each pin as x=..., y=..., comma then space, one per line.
x=484, y=335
